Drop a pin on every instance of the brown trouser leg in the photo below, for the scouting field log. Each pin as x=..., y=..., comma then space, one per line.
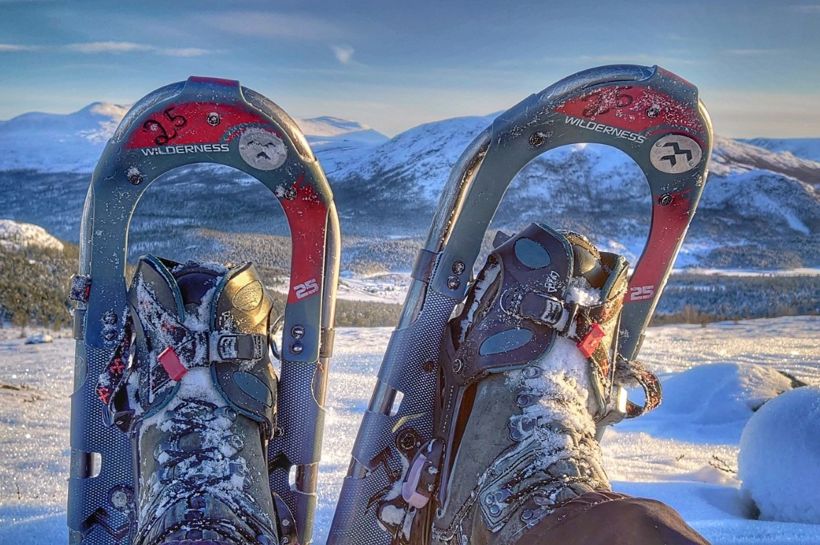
x=607, y=518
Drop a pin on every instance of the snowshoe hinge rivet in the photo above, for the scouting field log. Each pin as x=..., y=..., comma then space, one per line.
x=297, y=348
x=453, y=282
x=407, y=439
x=665, y=199
x=134, y=176
x=214, y=119
x=458, y=267
x=297, y=331
x=120, y=497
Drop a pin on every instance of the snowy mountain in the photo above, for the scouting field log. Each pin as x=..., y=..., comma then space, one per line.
x=760, y=208
x=755, y=197
x=73, y=142
x=805, y=148
x=54, y=142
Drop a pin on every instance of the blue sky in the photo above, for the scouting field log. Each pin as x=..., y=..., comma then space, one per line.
x=393, y=65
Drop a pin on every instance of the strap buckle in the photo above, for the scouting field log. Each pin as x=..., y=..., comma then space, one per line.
x=420, y=483
x=235, y=346
x=547, y=310
x=80, y=288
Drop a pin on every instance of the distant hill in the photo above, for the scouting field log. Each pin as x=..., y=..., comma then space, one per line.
x=805, y=148
x=760, y=208
x=73, y=142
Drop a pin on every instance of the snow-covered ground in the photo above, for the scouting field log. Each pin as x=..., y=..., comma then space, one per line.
x=684, y=454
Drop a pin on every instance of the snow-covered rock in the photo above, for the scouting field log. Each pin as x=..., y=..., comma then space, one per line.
x=779, y=461
x=39, y=338
x=15, y=236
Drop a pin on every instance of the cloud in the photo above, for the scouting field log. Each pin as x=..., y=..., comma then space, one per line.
x=264, y=24
x=183, y=52
x=13, y=48
x=343, y=53
x=132, y=47
x=108, y=47
x=807, y=8
x=750, y=52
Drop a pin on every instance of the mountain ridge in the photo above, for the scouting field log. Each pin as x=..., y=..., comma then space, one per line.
x=758, y=203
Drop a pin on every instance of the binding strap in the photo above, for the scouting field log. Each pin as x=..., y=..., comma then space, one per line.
x=632, y=372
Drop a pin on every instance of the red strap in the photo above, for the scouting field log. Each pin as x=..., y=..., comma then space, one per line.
x=170, y=361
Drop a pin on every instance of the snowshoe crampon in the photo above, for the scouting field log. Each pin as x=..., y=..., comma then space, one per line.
x=201, y=121
x=648, y=113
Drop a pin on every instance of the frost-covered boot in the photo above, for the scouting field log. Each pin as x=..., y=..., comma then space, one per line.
x=199, y=399
x=526, y=372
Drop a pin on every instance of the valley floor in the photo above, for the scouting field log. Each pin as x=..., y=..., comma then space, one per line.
x=684, y=454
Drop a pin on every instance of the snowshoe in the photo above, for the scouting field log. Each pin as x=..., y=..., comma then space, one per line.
x=397, y=481
x=265, y=429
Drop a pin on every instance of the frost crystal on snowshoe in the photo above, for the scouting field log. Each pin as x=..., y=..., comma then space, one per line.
x=199, y=399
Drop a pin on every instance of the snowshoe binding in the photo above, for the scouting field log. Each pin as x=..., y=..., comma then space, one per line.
x=180, y=360
x=407, y=476
x=199, y=399
x=526, y=370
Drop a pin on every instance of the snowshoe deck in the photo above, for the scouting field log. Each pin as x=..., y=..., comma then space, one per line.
x=648, y=113
x=201, y=120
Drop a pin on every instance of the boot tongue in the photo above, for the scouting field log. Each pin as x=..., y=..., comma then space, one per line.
x=194, y=281
x=587, y=260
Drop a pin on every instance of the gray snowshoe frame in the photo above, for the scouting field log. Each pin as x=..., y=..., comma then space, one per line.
x=201, y=120
x=650, y=114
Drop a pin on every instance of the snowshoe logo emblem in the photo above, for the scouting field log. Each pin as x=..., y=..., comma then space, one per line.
x=249, y=297
x=306, y=289
x=675, y=154
x=262, y=149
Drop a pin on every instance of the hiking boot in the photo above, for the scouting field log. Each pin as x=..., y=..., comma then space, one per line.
x=199, y=399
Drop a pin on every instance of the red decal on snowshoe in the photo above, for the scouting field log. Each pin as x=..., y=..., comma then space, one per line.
x=193, y=123
x=305, y=211
x=632, y=108
x=670, y=218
